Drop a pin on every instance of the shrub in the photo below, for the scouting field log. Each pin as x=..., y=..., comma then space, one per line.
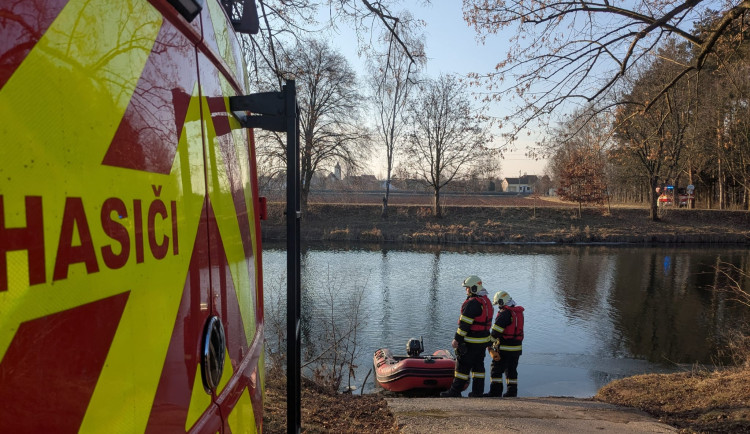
x=372, y=235
x=337, y=234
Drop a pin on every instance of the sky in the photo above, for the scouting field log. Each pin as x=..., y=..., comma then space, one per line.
x=451, y=47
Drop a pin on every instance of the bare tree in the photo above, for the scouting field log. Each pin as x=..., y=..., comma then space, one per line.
x=334, y=344
x=657, y=138
x=283, y=23
x=735, y=281
x=329, y=111
x=392, y=78
x=721, y=139
x=365, y=15
x=286, y=24
x=447, y=137
x=565, y=50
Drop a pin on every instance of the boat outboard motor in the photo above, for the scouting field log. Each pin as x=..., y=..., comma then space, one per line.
x=414, y=347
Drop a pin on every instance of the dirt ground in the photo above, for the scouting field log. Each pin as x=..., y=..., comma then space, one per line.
x=691, y=402
x=547, y=415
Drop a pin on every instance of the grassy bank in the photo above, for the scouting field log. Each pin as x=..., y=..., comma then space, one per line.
x=481, y=224
x=700, y=401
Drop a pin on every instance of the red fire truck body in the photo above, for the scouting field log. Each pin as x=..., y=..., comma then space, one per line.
x=130, y=252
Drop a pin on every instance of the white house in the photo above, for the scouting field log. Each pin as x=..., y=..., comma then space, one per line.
x=524, y=184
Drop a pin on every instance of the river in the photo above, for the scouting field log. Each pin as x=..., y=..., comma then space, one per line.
x=593, y=313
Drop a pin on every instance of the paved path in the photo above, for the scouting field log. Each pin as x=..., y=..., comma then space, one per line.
x=537, y=415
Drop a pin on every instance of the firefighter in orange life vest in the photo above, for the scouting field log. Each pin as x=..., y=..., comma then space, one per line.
x=471, y=340
x=506, y=335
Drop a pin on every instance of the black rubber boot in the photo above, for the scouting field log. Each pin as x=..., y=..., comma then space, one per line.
x=458, y=386
x=477, y=388
x=512, y=391
x=496, y=390
x=450, y=393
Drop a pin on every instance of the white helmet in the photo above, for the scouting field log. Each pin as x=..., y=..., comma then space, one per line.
x=474, y=283
x=501, y=298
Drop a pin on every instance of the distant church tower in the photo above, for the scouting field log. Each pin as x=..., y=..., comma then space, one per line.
x=337, y=171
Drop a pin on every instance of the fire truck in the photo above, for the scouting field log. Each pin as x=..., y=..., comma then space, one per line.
x=131, y=294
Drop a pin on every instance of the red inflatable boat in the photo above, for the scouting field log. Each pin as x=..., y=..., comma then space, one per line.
x=401, y=373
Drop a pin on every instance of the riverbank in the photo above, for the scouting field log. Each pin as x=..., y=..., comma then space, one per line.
x=475, y=224
x=691, y=402
x=698, y=401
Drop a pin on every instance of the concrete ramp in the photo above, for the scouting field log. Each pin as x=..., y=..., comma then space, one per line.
x=514, y=415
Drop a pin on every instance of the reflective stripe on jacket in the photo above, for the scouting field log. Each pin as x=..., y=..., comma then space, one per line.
x=475, y=320
x=508, y=328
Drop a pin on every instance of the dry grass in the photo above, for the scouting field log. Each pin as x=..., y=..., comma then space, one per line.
x=699, y=401
x=483, y=224
x=326, y=412
x=715, y=401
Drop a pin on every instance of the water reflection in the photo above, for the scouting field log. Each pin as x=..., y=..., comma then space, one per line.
x=665, y=309
x=593, y=313
x=432, y=310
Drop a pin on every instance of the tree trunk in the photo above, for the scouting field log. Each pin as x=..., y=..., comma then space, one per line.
x=384, y=213
x=720, y=175
x=436, y=207
x=722, y=204
x=654, y=200
x=303, y=200
x=691, y=202
x=609, y=203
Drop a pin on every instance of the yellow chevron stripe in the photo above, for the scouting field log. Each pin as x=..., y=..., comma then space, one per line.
x=242, y=418
x=92, y=57
x=149, y=317
x=199, y=400
x=220, y=193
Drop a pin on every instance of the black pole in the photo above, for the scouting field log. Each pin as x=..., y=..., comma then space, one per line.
x=294, y=376
x=277, y=111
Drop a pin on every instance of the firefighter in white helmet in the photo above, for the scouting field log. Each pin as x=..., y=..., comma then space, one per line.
x=471, y=340
x=506, y=335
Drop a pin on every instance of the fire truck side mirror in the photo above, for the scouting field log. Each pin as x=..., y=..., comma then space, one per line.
x=243, y=14
x=189, y=9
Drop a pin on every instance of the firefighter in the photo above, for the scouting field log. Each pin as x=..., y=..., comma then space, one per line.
x=506, y=336
x=471, y=340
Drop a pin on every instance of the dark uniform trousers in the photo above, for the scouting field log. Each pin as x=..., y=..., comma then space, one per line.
x=470, y=361
x=508, y=365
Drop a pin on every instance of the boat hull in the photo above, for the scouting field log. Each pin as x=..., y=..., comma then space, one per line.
x=401, y=373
